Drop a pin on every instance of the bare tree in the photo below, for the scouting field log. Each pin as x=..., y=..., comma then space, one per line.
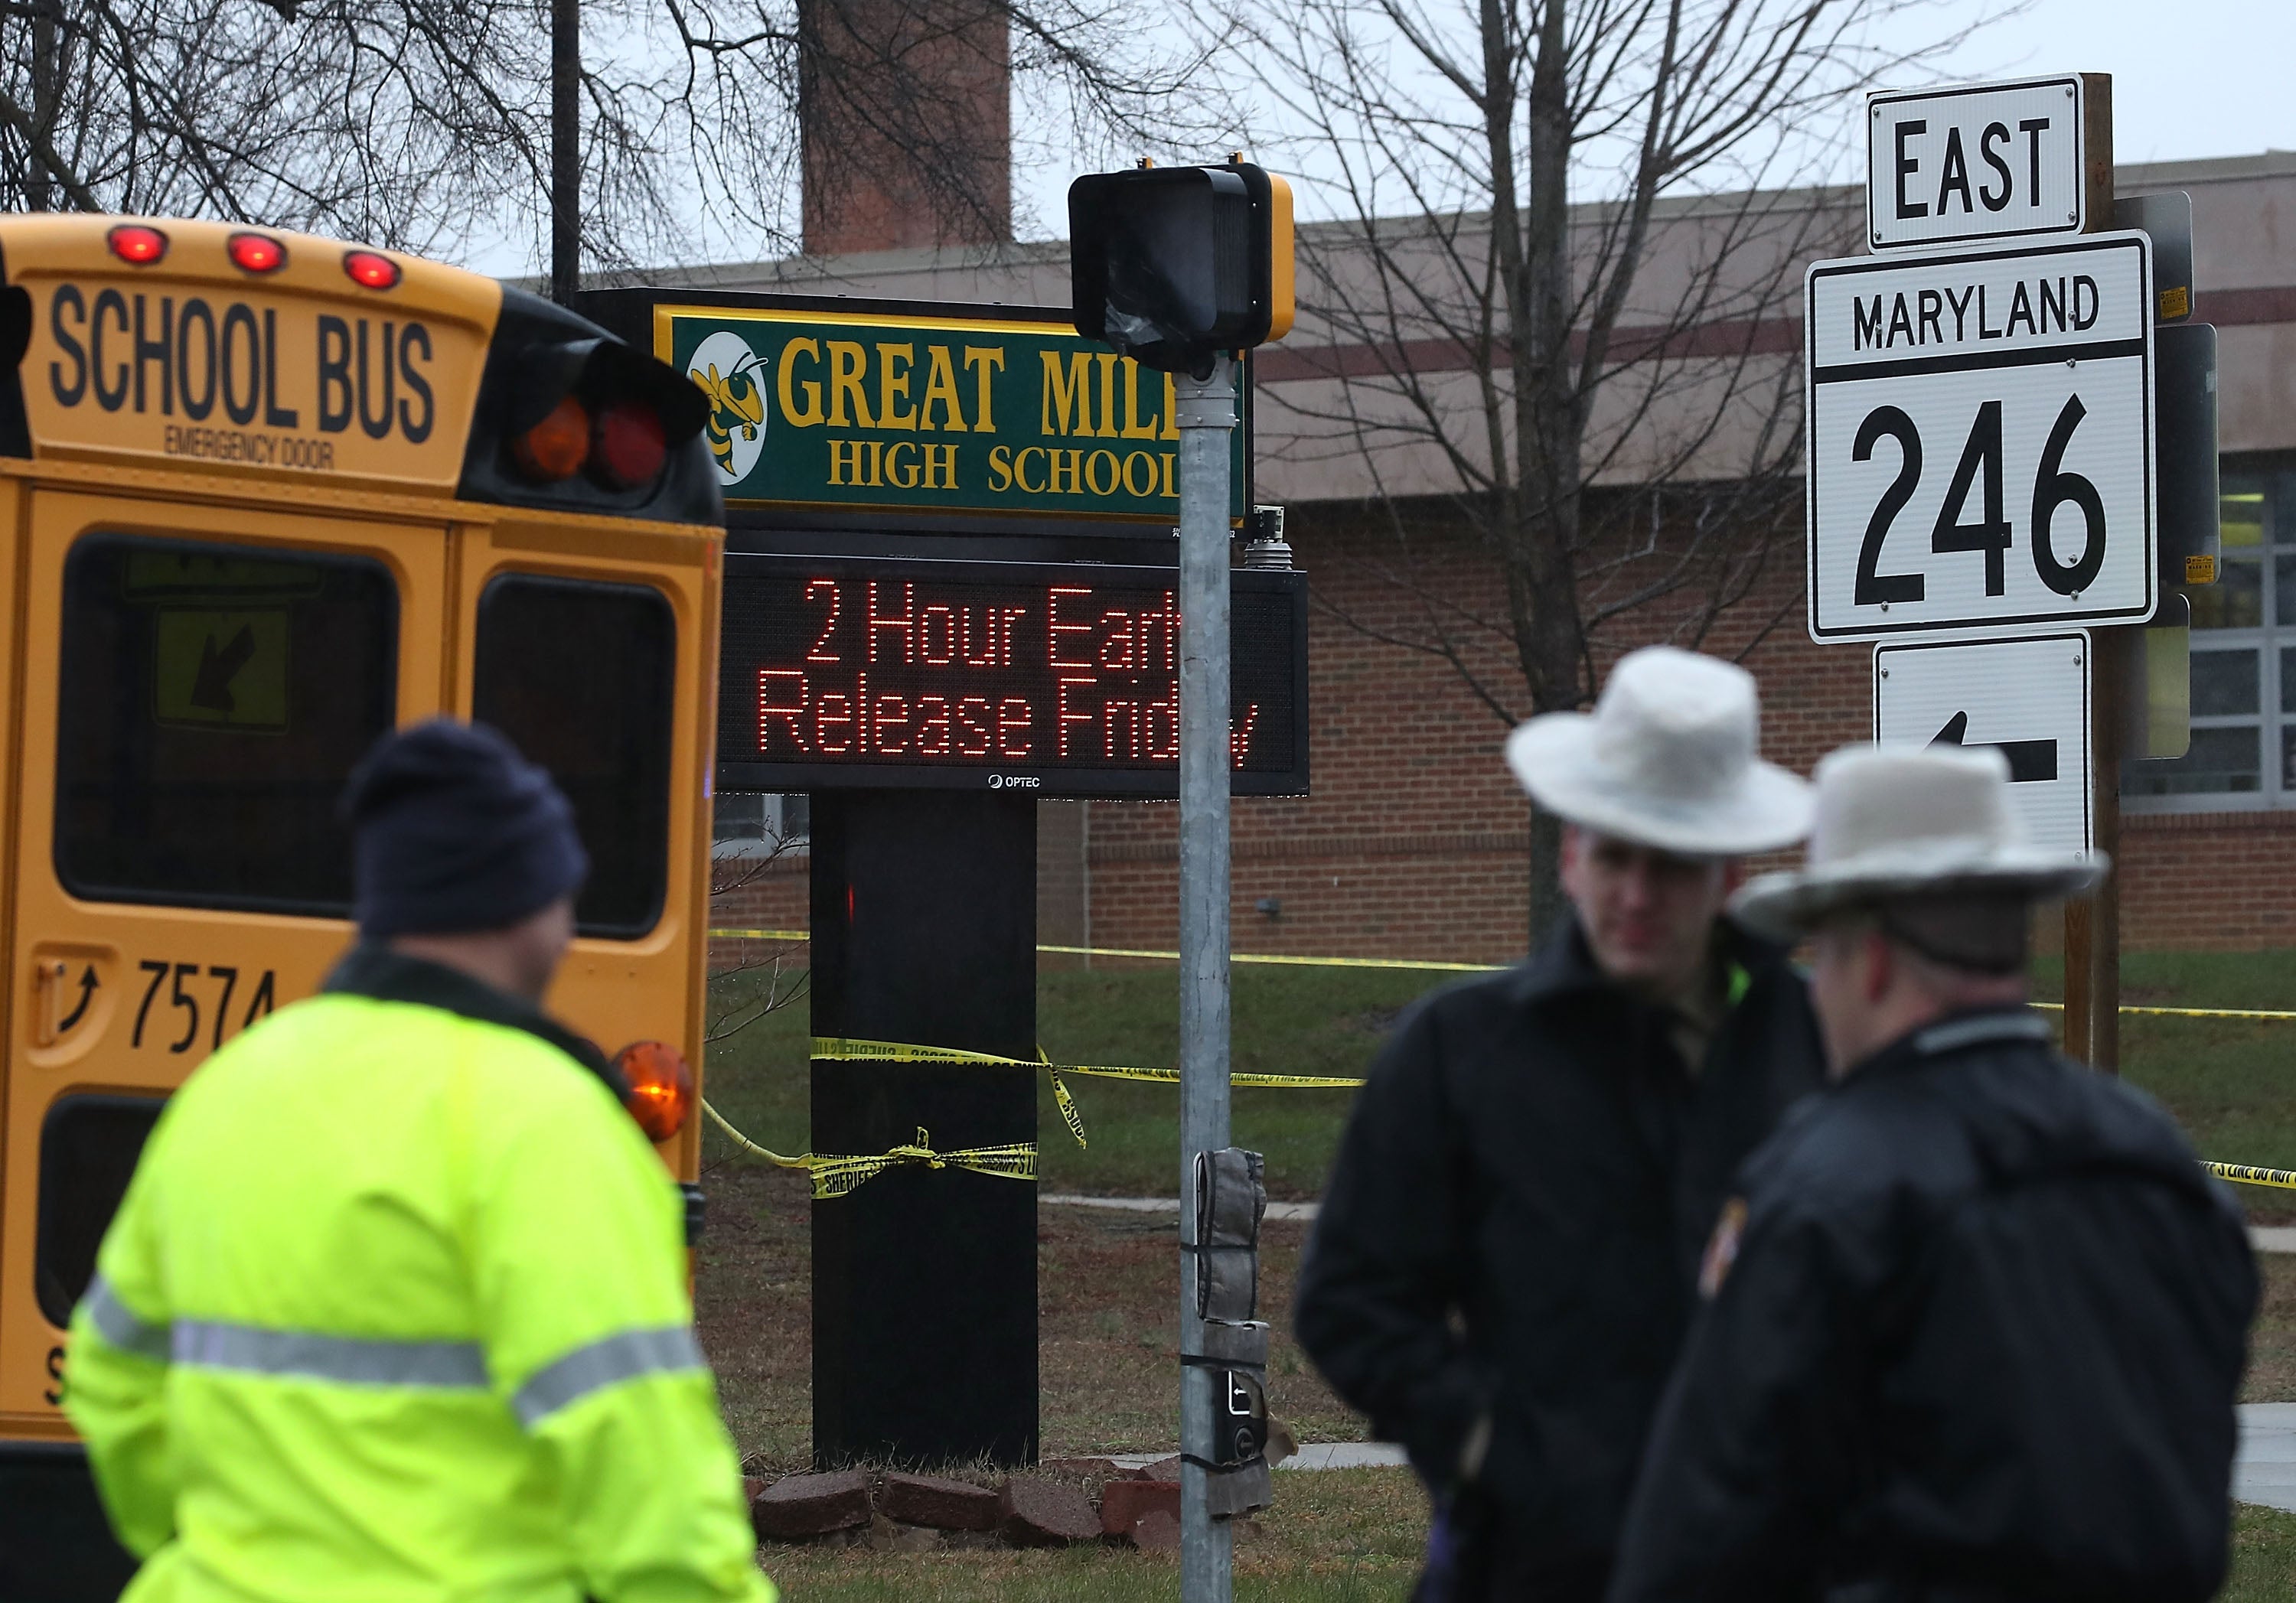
x=426, y=123
x=1602, y=398
x=768, y=976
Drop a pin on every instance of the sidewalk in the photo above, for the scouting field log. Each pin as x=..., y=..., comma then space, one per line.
x=2265, y=1472
x=1278, y=1211
x=2264, y=1237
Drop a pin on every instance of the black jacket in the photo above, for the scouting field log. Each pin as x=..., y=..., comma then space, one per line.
x=1514, y=1225
x=1981, y=1339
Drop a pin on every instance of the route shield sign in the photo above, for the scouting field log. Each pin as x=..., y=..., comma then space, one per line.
x=2029, y=698
x=1980, y=439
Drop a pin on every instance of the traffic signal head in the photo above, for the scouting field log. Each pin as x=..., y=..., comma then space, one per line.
x=1173, y=265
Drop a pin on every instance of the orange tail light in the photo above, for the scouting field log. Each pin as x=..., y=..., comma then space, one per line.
x=662, y=1087
x=557, y=447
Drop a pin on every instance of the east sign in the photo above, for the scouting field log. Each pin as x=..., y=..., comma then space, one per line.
x=883, y=411
x=1980, y=439
x=1982, y=161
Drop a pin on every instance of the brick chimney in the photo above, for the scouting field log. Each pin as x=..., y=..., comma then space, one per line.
x=906, y=112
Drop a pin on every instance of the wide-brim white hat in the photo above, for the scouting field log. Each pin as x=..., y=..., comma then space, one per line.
x=1896, y=821
x=1667, y=759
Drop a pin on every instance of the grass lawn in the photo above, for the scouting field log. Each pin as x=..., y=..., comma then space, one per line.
x=1339, y=1536
x=1301, y=1021
x=2232, y=1083
x=1109, y=1282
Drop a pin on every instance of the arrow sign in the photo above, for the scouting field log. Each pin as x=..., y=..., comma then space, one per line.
x=88, y=983
x=2030, y=761
x=2032, y=687
x=218, y=668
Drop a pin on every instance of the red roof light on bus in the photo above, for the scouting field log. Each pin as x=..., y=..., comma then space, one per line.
x=137, y=244
x=557, y=447
x=256, y=253
x=370, y=269
x=630, y=446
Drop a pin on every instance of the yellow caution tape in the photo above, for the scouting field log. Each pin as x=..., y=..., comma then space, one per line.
x=1299, y=962
x=1431, y=966
x=834, y=1050
x=1173, y=957
x=836, y=1175
x=837, y=1050
x=2284, y=1179
x=2058, y=1006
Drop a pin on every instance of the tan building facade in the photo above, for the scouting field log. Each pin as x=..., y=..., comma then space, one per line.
x=1414, y=841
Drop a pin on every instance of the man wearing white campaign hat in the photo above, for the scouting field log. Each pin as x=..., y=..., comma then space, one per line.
x=1977, y=1320
x=1506, y=1260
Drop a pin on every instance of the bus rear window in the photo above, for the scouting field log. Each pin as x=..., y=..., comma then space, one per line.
x=215, y=699
x=89, y=1148
x=582, y=677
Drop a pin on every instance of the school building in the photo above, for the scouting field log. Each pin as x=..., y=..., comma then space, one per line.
x=1414, y=841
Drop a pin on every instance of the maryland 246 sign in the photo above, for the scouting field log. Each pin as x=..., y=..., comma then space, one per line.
x=1980, y=439
x=836, y=411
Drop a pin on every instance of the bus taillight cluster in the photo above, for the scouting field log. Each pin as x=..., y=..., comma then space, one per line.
x=624, y=446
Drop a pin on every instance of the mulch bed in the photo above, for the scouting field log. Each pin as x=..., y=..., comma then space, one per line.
x=1108, y=1319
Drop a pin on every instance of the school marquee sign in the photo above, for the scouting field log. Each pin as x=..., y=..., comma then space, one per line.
x=835, y=411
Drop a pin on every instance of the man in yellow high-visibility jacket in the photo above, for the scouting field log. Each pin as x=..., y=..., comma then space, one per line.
x=395, y=1308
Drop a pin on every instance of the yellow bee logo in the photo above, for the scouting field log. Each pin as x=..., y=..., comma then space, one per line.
x=731, y=374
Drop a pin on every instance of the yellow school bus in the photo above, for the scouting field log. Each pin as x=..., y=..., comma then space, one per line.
x=262, y=498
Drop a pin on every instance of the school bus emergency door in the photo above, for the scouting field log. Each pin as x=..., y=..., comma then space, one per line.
x=258, y=504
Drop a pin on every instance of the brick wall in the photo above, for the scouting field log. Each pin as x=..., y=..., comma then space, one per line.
x=1414, y=841
x=2208, y=882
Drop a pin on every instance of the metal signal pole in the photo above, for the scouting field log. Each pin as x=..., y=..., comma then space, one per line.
x=565, y=149
x=1206, y=415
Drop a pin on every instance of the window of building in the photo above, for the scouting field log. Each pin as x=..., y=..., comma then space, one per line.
x=213, y=702
x=752, y=824
x=89, y=1148
x=2244, y=749
x=582, y=677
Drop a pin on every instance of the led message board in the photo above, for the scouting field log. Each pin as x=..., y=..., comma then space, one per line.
x=1060, y=679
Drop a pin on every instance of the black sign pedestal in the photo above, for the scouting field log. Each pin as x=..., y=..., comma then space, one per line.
x=924, y=1280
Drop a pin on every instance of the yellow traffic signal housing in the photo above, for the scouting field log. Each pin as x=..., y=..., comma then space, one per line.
x=1173, y=265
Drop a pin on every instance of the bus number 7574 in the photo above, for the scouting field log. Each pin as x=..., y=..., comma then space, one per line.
x=186, y=1002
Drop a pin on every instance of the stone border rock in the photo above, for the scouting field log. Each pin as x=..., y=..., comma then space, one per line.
x=1068, y=1502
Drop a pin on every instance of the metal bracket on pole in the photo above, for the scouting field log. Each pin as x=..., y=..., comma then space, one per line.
x=1204, y=413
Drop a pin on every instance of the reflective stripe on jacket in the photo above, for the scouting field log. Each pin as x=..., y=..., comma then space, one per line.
x=395, y=1308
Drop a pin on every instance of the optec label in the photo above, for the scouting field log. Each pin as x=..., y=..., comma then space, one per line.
x=245, y=379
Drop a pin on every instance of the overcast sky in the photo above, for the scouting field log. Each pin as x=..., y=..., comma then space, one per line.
x=2189, y=77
